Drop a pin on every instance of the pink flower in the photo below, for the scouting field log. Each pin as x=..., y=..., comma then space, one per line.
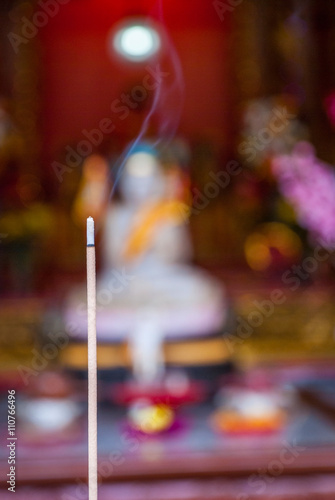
x=309, y=185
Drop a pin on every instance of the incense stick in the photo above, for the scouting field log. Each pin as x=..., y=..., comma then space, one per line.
x=92, y=364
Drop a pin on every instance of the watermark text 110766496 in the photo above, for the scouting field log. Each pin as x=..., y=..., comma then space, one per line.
x=11, y=441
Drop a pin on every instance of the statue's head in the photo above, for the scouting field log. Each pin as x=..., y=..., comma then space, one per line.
x=143, y=178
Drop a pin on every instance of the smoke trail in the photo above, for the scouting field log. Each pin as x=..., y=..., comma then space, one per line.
x=171, y=120
x=168, y=119
x=118, y=167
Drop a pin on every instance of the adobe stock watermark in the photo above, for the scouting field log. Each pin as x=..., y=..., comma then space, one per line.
x=43, y=357
x=224, y=6
x=27, y=29
x=117, y=283
x=109, y=464
x=249, y=148
x=220, y=180
x=131, y=441
x=256, y=143
x=298, y=274
x=121, y=108
x=293, y=277
x=261, y=480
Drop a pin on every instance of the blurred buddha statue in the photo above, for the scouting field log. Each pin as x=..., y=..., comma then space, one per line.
x=146, y=231
x=147, y=291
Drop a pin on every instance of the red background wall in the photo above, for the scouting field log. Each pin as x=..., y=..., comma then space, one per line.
x=80, y=80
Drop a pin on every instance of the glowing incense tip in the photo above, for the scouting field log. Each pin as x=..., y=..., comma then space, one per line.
x=90, y=231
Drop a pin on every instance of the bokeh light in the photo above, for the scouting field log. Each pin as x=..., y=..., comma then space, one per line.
x=135, y=41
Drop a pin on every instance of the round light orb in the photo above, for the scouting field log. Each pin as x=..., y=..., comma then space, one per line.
x=136, y=41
